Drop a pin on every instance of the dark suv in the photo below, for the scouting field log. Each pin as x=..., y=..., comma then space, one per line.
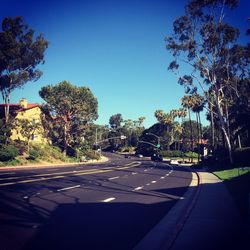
x=156, y=157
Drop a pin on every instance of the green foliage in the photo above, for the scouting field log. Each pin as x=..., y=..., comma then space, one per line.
x=8, y=153
x=190, y=154
x=127, y=149
x=171, y=153
x=48, y=152
x=70, y=109
x=115, y=121
x=20, y=53
x=231, y=173
x=5, y=130
x=202, y=39
x=179, y=154
x=33, y=154
x=92, y=155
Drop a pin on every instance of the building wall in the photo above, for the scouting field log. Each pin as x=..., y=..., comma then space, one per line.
x=33, y=115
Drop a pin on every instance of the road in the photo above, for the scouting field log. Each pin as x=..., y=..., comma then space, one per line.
x=102, y=206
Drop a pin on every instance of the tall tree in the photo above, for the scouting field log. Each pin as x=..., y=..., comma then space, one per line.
x=115, y=121
x=207, y=44
x=70, y=107
x=186, y=102
x=20, y=54
x=197, y=107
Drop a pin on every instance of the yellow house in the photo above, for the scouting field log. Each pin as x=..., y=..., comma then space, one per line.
x=30, y=113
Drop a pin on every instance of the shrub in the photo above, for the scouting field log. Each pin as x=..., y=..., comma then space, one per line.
x=127, y=149
x=8, y=153
x=33, y=154
x=191, y=154
x=92, y=155
x=21, y=145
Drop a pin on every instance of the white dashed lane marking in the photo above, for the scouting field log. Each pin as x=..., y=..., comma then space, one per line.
x=68, y=188
x=109, y=199
x=138, y=188
x=113, y=178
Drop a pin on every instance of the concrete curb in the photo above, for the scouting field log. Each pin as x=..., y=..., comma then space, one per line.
x=65, y=164
x=164, y=234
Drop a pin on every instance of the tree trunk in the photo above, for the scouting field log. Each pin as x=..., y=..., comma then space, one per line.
x=212, y=126
x=198, y=137
x=191, y=133
x=65, y=139
x=239, y=141
x=224, y=130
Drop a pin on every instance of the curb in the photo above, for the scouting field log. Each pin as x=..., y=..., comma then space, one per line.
x=185, y=216
x=165, y=233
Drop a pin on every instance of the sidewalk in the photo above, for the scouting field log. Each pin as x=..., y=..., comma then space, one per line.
x=213, y=222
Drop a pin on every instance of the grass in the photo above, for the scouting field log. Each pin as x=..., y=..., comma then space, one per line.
x=232, y=173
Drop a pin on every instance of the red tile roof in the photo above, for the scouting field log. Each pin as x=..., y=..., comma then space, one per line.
x=19, y=108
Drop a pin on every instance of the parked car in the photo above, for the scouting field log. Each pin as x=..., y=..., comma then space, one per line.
x=156, y=157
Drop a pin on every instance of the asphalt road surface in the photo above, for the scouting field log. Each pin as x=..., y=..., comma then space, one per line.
x=103, y=206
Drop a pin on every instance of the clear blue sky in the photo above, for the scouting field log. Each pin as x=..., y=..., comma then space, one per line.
x=116, y=48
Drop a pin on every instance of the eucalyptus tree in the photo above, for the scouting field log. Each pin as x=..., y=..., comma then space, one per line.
x=71, y=108
x=207, y=44
x=20, y=54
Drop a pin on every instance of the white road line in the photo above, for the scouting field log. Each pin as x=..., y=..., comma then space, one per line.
x=148, y=184
x=109, y=199
x=67, y=188
x=113, y=178
x=153, y=181
x=7, y=173
x=162, y=177
x=145, y=170
x=134, y=173
x=138, y=188
x=26, y=197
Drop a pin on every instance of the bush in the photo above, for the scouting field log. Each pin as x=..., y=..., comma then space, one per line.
x=171, y=153
x=191, y=154
x=8, y=153
x=92, y=155
x=127, y=149
x=48, y=152
x=33, y=154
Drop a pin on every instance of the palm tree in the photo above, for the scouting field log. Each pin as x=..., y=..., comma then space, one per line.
x=186, y=102
x=182, y=113
x=198, y=103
